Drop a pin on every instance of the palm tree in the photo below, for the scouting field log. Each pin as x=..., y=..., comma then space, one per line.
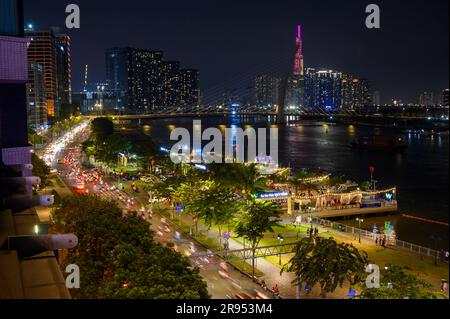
x=243, y=179
x=323, y=261
x=257, y=217
x=300, y=182
x=308, y=187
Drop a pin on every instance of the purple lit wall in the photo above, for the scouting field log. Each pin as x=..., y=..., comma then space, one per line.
x=13, y=60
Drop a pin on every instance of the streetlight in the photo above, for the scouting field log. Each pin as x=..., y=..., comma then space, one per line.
x=360, y=220
x=280, y=241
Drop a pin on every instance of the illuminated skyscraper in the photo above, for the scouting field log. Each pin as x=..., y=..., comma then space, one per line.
x=42, y=50
x=444, y=98
x=355, y=92
x=36, y=99
x=266, y=91
x=170, y=85
x=189, y=89
x=295, y=90
x=63, y=69
x=298, y=66
x=118, y=61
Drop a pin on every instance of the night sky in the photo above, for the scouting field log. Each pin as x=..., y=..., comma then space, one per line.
x=232, y=41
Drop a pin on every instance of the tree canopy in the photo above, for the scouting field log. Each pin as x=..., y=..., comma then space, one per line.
x=323, y=261
x=40, y=169
x=397, y=283
x=102, y=127
x=117, y=252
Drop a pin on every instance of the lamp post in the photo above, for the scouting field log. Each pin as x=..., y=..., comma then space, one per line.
x=360, y=220
x=280, y=241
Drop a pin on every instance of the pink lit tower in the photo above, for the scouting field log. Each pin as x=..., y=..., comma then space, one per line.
x=298, y=66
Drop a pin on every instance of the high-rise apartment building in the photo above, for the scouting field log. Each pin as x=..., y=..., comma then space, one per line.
x=327, y=90
x=189, y=89
x=143, y=82
x=267, y=90
x=355, y=92
x=118, y=65
x=170, y=86
x=426, y=99
x=310, y=79
x=36, y=98
x=42, y=50
x=444, y=98
x=63, y=68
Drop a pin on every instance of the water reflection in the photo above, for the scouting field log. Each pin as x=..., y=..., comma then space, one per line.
x=420, y=173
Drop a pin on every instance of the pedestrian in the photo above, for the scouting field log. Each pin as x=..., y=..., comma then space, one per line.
x=263, y=284
x=383, y=241
x=446, y=256
x=316, y=231
x=276, y=290
x=376, y=240
x=308, y=288
x=444, y=285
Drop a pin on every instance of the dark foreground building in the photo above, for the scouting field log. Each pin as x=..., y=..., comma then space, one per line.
x=28, y=263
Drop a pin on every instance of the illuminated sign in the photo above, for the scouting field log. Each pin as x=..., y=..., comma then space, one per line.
x=272, y=195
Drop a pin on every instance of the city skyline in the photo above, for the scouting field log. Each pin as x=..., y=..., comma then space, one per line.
x=329, y=42
x=145, y=182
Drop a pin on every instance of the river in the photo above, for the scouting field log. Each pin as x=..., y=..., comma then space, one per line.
x=421, y=172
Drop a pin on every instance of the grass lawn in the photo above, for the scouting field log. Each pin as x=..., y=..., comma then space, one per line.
x=422, y=267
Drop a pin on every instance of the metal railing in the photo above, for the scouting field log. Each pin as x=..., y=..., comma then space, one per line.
x=370, y=236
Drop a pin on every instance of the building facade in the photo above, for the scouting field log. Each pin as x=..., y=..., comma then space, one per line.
x=444, y=99
x=42, y=50
x=63, y=69
x=36, y=97
x=426, y=99
x=267, y=89
x=189, y=88
x=143, y=82
x=355, y=93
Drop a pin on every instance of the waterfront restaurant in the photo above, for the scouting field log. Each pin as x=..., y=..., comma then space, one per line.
x=330, y=204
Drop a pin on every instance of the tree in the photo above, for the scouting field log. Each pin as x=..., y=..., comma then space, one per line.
x=114, y=248
x=243, y=179
x=334, y=181
x=68, y=110
x=257, y=218
x=40, y=169
x=102, y=127
x=323, y=261
x=108, y=150
x=210, y=202
x=397, y=283
x=188, y=192
x=300, y=182
x=365, y=186
x=156, y=273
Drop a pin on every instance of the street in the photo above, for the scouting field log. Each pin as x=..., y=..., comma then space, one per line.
x=223, y=280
